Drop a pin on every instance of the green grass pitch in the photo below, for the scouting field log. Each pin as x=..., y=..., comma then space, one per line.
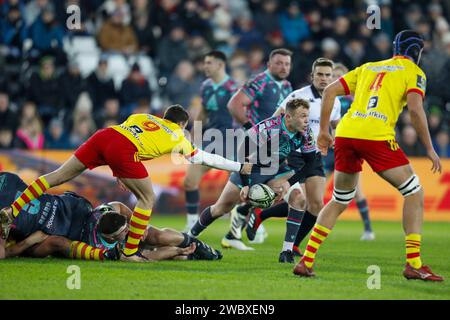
x=341, y=270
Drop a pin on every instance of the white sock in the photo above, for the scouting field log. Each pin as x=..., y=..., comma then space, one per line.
x=287, y=246
x=191, y=220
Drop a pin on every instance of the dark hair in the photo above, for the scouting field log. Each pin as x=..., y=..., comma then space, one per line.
x=282, y=51
x=217, y=55
x=322, y=62
x=176, y=114
x=294, y=104
x=110, y=222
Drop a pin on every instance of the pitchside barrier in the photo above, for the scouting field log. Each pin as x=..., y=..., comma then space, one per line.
x=99, y=185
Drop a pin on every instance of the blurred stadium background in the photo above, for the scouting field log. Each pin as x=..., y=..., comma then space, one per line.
x=57, y=86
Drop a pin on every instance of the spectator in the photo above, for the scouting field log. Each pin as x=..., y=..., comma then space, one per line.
x=354, y=53
x=183, y=86
x=442, y=144
x=142, y=106
x=256, y=60
x=172, y=50
x=341, y=30
x=30, y=133
x=222, y=24
x=117, y=36
x=56, y=137
x=387, y=24
x=72, y=85
x=6, y=138
x=293, y=25
x=330, y=49
x=302, y=61
x=13, y=33
x=47, y=35
x=109, y=112
x=143, y=27
x=197, y=47
x=34, y=9
x=134, y=88
x=247, y=33
x=100, y=85
x=381, y=49
x=44, y=90
x=195, y=18
x=83, y=128
x=266, y=19
x=409, y=143
x=8, y=118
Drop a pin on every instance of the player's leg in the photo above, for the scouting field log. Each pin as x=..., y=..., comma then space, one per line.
x=361, y=203
x=173, y=238
x=314, y=189
x=143, y=191
x=343, y=194
x=69, y=170
x=63, y=247
x=405, y=180
x=227, y=200
x=296, y=201
x=192, y=180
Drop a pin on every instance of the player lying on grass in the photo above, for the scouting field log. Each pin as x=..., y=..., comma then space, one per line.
x=123, y=148
x=295, y=140
x=72, y=217
x=366, y=132
x=41, y=245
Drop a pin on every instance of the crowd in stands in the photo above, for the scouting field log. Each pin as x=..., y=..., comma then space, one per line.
x=59, y=84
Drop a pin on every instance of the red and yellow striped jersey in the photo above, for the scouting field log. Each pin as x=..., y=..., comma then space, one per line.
x=154, y=136
x=380, y=90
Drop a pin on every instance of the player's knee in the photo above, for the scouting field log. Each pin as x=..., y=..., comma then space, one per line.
x=410, y=186
x=219, y=209
x=343, y=196
x=315, y=205
x=297, y=199
x=190, y=184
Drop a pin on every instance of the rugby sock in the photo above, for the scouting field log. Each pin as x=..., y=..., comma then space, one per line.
x=187, y=240
x=318, y=235
x=192, y=204
x=280, y=210
x=293, y=223
x=33, y=191
x=307, y=224
x=244, y=209
x=82, y=251
x=364, y=212
x=203, y=222
x=138, y=225
x=413, y=250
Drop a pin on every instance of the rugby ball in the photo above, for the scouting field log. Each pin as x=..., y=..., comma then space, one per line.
x=261, y=196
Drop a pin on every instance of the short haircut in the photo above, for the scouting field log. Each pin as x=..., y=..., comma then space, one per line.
x=340, y=66
x=294, y=104
x=176, y=114
x=282, y=51
x=110, y=222
x=217, y=55
x=322, y=62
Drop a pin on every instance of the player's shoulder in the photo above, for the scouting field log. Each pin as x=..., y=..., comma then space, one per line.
x=231, y=84
x=207, y=82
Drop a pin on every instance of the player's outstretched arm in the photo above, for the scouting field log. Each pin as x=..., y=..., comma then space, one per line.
x=419, y=122
x=219, y=162
x=18, y=248
x=238, y=108
x=334, y=89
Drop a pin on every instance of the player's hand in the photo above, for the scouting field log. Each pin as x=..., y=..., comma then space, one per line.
x=36, y=237
x=281, y=190
x=432, y=155
x=246, y=168
x=244, y=193
x=324, y=141
x=187, y=251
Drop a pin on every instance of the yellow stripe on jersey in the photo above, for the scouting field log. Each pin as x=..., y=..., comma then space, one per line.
x=154, y=137
x=380, y=90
